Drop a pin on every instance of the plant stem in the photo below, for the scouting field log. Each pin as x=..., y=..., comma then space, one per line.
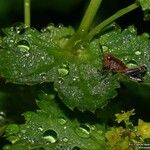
x=89, y=16
x=85, y=23
x=106, y=22
x=27, y=12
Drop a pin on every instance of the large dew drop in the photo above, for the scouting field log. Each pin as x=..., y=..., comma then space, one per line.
x=19, y=28
x=63, y=70
x=62, y=121
x=132, y=64
x=137, y=53
x=83, y=131
x=23, y=46
x=50, y=136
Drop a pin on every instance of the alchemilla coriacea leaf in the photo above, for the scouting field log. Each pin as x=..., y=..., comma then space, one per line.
x=33, y=57
x=132, y=49
x=50, y=129
x=145, y=4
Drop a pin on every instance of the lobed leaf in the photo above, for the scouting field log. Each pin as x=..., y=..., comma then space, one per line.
x=32, y=57
x=132, y=49
x=50, y=129
x=145, y=4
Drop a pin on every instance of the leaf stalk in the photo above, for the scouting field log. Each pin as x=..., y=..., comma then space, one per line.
x=85, y=23
x=106, y=22
x=27, y=15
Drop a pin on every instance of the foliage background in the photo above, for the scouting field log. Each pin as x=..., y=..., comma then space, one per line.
x=16, y=98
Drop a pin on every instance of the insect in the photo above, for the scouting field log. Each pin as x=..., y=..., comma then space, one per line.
x=115, y=65
x=137, y=73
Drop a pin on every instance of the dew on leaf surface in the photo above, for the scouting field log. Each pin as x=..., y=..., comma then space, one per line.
x=43, y=75
x=60, y=25
x=60, y=80
x=50, y=136
x=65, y=139
x=132, y=29
x=62, y=121
x=2, y=117
x=23, y=45
x=19, y=28
x=23, y=131
x=76, y=148
x=105, y=48
x=63, y=70
x=137, y=53
x=132, y=64
x=40, y=129
x=83, y=131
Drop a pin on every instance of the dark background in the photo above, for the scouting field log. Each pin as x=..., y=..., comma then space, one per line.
x=67, y=12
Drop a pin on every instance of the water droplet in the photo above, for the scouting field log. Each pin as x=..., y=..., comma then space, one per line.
x=31, y=141
x=29, y=35
x=13, y=139
x=137, y=53
x=76, y=148
x=62, y=121
x=63, y=70
x=83, y=131
x=43, y=75
x=23, y=131
x=92, y=127
x=39, y=148
x=105, y=48
x=23, y=46
x=42, y=57
x=82, y=30
x=11, y=41
x=132, y=64
x=75, y=78
x=65, y=139
x=60, y=25
x=50, y=136
x=2, y=114
x=2, y=117
x=40, y=129
x=60, y=80
x=50, y=26
x=27, y=54
x=132, y=29
x=19, y=28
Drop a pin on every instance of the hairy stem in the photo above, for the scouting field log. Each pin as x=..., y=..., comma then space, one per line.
x=85, y=23
x=106, y=22
x=27, y=12
x=89, y=16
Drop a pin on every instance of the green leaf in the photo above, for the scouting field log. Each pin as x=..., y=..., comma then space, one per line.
x=124, y=116
x=145, y=4
x=132, y=49
x=29, y=57
x=49, y=128
x=85, y=89
x=143, y=129
x=33, y=57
